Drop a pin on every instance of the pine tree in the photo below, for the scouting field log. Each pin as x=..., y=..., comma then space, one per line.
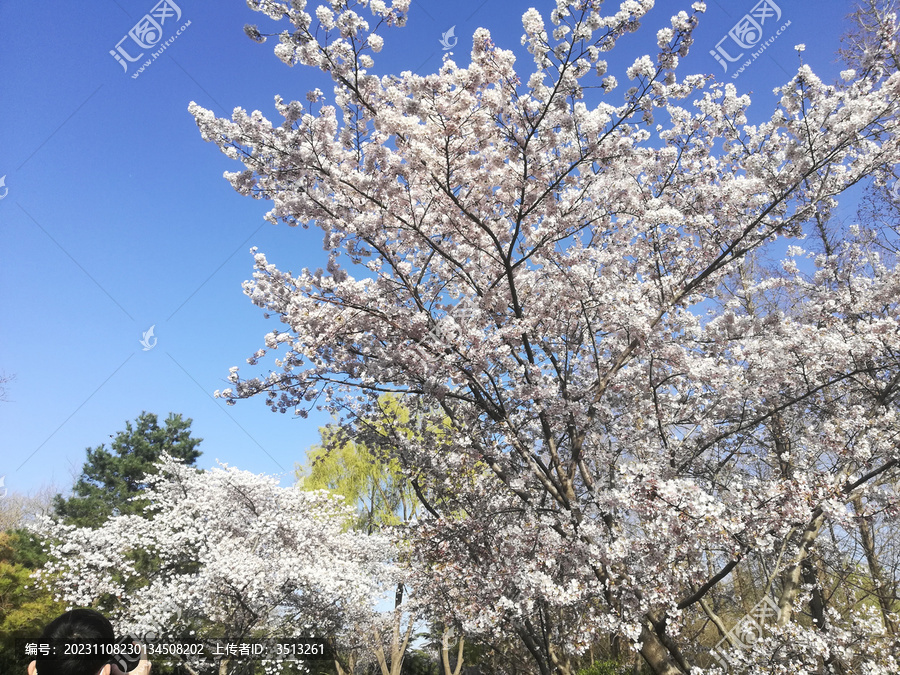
x=110, y=478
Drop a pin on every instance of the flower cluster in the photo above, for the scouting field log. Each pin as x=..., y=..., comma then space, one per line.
x=233, y=550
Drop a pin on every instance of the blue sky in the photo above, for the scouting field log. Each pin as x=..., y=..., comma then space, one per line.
x=115, y=216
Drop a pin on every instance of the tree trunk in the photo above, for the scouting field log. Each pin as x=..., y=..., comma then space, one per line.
x=868, y=545
x=656, y=654
x=398, y=644
x=791, y=580
x=810, y=577
x=445, y=653
x=351, y=666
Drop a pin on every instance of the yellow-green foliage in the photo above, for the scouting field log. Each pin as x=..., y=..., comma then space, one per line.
x=366, y=478
x=25, y=607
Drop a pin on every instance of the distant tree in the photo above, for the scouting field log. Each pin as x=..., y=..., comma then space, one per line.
x=863, y=45
x=419, y=663
x=4, y=381
x=17, y=508
x=110, y=479
x=24, y=607
x=364, y=476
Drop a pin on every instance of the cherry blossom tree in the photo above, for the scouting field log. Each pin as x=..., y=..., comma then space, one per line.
x=563, y=272
x=237, y=552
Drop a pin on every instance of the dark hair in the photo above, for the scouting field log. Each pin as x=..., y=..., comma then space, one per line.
x=77, y=625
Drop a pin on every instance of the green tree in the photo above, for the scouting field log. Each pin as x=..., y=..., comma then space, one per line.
x=25, y=607
x=110, y=478
x=362, y=476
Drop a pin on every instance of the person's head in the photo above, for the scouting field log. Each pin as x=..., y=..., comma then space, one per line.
x=77, y=625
